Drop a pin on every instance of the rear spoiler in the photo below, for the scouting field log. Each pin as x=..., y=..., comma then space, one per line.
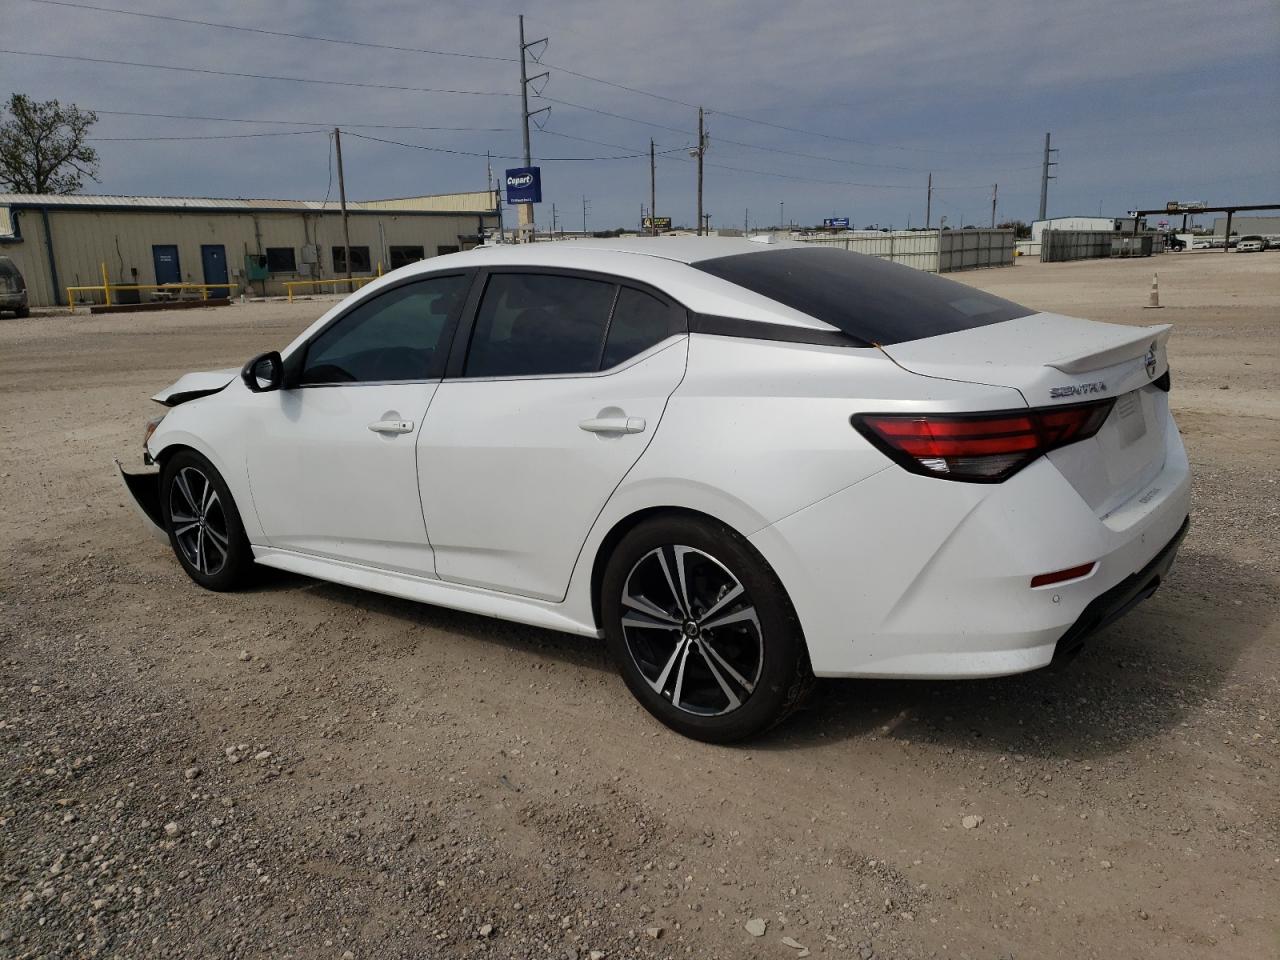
x=1129, y=344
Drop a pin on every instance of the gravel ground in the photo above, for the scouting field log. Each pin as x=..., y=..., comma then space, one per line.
x=303, y=770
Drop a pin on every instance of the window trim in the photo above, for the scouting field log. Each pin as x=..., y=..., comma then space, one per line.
x=266, y=254
x=421, y=248
x=467, y=323
x=341, y=248
x=296, y=361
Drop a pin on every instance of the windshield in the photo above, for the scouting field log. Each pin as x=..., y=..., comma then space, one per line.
x=868, y=298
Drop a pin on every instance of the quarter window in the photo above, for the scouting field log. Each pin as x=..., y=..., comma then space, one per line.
x=639, y=321
x=393, y=336
x=530, y=324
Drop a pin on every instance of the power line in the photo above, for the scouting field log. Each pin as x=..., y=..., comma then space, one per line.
x=256, y=76
x=787, y=176
x=737, y=143
x=477, y=56
x=619, y=116
x=222, y=136
x=496, y=156
x=298, y=123
x=272, y=33
x=746, y=119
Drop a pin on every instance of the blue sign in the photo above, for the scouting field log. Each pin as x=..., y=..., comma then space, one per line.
x=524, y=185
x=836, y=223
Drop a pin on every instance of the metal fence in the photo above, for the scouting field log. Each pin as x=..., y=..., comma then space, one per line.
x=968, y=249
x=1059, y=245
x=935, y=251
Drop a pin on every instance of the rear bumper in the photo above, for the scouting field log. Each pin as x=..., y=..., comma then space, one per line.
x=903, y=576
x=144, y=494
x=1120, y=599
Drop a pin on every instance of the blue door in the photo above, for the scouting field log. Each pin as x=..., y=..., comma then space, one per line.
x=165, y=258
x=214, y=258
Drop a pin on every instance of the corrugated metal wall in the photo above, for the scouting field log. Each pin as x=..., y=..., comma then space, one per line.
x=1059, y=245
x=969, y=249
x=937, y=251
x=85, y=239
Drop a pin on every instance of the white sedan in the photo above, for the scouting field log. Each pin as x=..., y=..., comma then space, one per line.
x=742, y=464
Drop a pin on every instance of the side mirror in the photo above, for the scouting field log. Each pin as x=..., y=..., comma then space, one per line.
x=264, y=372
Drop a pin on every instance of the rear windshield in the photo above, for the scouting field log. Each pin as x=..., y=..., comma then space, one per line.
x=871, y=299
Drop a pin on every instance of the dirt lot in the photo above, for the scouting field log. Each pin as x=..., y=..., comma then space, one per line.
x=304, y=770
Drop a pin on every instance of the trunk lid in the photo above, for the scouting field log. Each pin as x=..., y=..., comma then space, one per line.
x=1053, y=360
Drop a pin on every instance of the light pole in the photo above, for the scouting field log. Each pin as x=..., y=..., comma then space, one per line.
x=781, y=216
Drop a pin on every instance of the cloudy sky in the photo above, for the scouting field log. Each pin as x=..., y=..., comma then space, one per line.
x=1147, y=101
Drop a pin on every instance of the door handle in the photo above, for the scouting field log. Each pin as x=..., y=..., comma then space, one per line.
x=613, y=425
x=391, y=426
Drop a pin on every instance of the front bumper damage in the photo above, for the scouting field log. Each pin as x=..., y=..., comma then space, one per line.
x=144, y=493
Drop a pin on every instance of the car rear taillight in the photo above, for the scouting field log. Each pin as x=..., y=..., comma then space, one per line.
x=979, y=447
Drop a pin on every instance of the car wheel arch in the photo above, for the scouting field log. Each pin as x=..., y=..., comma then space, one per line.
x=625, y=525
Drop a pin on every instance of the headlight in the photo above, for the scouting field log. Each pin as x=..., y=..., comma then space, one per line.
x=150, y=429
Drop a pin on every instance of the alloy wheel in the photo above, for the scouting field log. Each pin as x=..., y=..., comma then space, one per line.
x=692, y=630
x=198, y=520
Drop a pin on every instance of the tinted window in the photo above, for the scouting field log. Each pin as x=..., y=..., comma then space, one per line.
x=639, y=321
x=359, y=260
x=281, y=260
x=403, y=256
x=532, y=324
x=870, y=299
x=394, y=336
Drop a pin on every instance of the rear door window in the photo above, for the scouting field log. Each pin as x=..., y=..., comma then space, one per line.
x=871, y=300
x=532, y=324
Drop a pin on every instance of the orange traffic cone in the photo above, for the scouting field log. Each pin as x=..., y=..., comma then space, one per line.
x=1153, y=301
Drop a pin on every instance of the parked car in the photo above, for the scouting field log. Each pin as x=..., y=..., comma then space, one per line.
x=1251, y=244
x=1201, y=244
x=741, y=464
x=13, y=289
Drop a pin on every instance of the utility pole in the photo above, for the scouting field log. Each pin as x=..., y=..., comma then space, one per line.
x=1045, y=177
x=746, y=215
x=995, y=191
x=488, y=166
x=526, y=209
x=342, y=200
x=585, y=201
x=781, y=215
x=928, y=203
x=702, y=149
x=707, y=220
x=553, y=221
x=653, y=191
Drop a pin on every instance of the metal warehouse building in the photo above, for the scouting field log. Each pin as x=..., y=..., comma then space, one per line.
x=258, y=245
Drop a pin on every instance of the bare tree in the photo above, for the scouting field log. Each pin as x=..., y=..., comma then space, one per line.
x=42, y=146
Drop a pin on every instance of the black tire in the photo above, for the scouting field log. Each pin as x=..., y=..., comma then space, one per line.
x=22, y=313
x=770, y=679
x=199, y=515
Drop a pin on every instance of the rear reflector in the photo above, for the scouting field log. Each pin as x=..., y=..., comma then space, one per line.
x=979, y=447
x=1062, y=576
